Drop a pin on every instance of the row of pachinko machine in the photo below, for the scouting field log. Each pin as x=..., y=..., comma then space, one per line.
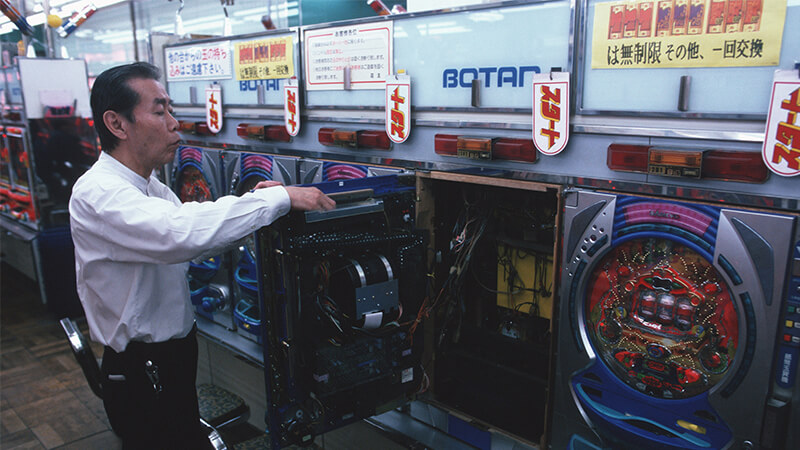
x=671, y=313
x=584, y=247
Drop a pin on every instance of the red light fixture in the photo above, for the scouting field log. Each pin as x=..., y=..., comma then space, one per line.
x=202, y=129
x=376, y=139
x=485, y=147
x=263, y=132
x=735, y=166
x=687, y=163
x=184, y=126
x=379, y=7
x=627, y=158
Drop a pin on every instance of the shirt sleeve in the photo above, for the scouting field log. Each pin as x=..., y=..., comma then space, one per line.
x=133, y=227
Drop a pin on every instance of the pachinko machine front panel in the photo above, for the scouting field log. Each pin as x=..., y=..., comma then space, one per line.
x=197, y=177
x=669, y=324
x=246, y=170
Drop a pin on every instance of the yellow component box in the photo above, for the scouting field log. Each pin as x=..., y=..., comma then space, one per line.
x=524, y=278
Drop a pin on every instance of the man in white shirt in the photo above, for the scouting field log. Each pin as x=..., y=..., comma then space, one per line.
x=133, y=240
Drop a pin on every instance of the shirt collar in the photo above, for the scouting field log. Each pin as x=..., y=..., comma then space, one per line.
x=124, y=171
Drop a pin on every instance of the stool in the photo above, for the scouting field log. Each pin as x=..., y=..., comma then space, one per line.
x=256, y=443
x=220, y=407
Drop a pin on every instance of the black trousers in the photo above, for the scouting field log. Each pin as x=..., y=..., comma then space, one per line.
x=162, y=417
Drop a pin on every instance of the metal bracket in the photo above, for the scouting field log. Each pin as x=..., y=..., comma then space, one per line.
x=683, y=93
x=346, y=78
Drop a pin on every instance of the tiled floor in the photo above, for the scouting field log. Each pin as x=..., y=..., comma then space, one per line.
x=45, y=402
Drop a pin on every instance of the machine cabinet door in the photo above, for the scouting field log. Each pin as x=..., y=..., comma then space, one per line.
x=337, y=290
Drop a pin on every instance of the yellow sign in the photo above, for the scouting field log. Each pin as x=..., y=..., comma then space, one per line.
x=264, y=59
x=687, y=33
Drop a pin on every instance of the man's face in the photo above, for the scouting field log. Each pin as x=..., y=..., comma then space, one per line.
x=154, y=134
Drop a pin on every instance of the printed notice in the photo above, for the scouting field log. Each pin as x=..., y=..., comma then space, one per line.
x=199, y=62
x=354, y=57
x=687, y=33
x=264, y=59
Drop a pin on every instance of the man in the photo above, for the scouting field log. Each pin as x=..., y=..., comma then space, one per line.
x=133, y=240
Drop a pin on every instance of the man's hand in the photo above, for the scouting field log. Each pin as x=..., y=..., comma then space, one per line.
x=266, y=184
x=309, y=199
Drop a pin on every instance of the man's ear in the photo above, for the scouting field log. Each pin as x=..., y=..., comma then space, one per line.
x=116, y=124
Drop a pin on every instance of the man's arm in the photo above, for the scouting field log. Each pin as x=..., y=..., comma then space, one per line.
x=302, y=198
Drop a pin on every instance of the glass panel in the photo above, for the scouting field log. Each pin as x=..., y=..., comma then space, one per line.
x=19, y=156
x=662, y=318
x=714, y=90
x=104, y=40
x=5, y=164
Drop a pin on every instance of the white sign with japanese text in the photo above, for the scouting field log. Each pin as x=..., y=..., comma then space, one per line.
x=398, y=107
x=212, y=61
x=550, y=112
x=291, y=107
x=781, y=151
x=214, y=108
x=362, y=50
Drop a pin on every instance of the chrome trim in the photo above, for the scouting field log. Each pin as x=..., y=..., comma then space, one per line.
x=188, y=112
x=388, y=267
x=21, y=230
x=673, y=115
x=745, y=131
x=730, y=197
x=361, y=275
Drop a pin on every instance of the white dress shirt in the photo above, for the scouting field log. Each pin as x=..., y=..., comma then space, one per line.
x=133, y=240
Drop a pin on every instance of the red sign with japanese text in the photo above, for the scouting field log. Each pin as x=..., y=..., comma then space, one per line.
x=214, y=108
x=551, y=112
x=398, y=107
x=781, y=151
x=291, y=107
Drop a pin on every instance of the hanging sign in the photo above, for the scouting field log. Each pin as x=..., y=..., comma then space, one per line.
x=781, y=152
x=398, y=107
x=214, y=108
x=291, y=107
x=550, y=111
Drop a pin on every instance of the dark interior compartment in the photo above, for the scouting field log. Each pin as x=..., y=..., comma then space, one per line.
x=492, y=303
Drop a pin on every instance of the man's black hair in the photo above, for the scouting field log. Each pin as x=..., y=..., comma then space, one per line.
x=111, y=92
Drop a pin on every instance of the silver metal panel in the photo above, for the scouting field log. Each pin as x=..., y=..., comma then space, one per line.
x=747, y=256
x=18, y=252
x=585, y=214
